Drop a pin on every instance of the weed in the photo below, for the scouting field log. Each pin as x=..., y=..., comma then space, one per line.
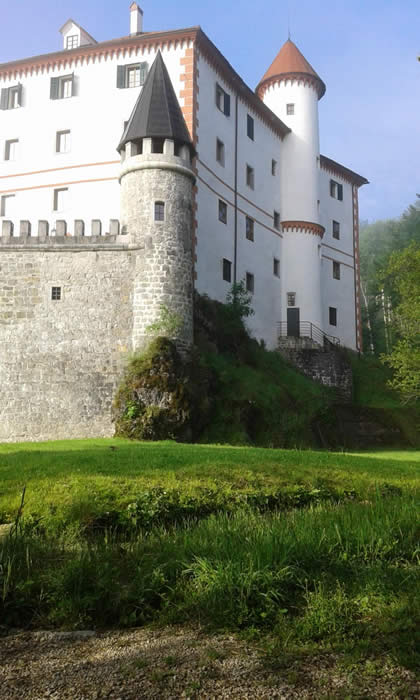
x=215, y=654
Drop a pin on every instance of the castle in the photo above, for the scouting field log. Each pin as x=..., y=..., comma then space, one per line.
x=214, y=184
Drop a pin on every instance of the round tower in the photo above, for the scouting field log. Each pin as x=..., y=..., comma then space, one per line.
x=291, y=89
x=157, y=212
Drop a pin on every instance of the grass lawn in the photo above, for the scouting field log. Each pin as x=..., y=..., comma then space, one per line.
x=67, y=477
x=315, y=551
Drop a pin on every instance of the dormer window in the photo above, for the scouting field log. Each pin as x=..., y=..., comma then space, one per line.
x=72, y=42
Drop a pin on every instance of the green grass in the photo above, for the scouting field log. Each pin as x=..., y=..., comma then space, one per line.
x=338, y=573
x=71, y=480
x=370, y=379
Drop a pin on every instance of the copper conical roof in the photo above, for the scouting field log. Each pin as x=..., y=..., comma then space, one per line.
x=290, y=63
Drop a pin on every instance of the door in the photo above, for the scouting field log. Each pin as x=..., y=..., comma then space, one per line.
x=293, y=325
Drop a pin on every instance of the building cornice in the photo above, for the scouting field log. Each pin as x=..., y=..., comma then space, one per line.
x=154, y=40
x=304, y=78
x=303, y=226
x=114, y=47
x=344, y=173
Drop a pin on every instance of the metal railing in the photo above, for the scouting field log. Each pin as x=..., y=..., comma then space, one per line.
x=310, y=331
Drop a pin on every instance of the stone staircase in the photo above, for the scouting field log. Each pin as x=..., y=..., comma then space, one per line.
x=319, y=357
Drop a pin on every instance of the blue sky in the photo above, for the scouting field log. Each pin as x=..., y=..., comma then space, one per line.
x=365, y=51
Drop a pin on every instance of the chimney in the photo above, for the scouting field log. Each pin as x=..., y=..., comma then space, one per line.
x=136, y=19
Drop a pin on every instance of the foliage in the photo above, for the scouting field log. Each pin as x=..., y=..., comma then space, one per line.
x=160, y=397
x=403, y=275
x=256, y=397
x=239, y=299
x=334, y=576
x=168, y=323
x=378, y=241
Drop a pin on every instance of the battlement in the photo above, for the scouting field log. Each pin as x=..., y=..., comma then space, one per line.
x=59, y=235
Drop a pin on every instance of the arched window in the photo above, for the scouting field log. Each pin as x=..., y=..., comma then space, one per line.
x=159, y=211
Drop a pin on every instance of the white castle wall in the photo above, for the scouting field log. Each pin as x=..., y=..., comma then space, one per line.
x=216, y=239
x=95, y=116
x=339, y=294
x=300, y=165
x=300, y=195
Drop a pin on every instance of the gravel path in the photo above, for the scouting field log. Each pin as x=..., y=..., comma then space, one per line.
x=175, y=662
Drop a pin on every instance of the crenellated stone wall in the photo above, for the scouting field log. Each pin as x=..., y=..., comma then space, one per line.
x=74, y=306
x=61, y=359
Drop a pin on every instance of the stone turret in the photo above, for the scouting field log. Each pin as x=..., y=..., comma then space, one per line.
x=156, y=208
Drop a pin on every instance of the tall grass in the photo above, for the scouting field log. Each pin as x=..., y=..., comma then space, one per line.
x=329, y=575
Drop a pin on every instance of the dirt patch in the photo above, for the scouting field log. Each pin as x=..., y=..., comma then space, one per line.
x=177, y=662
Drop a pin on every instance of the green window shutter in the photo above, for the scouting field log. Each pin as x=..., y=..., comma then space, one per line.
x=143, y=73
x=340, y=192
x=227, y=105
x=121, y=77
x=20, y=95
x=4, y=99
x=73, y=85
x=54, y=88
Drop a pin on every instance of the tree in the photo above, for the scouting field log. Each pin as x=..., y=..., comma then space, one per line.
x=402, y=275
x=378, y=241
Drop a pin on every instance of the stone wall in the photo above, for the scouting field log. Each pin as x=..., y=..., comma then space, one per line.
x=329, y=367
x=61, y=360
x=164, y=272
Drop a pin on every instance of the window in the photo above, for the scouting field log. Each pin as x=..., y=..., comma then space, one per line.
x=62, y=141
x=250, y=176
x=222, y=100
x=276, y=267
x=276, y=219
x=56, y=293
x=220, y=152
x=291, y=298
x=11, y=97
x=222, y=211
x=249, y=282
x=60, y=198
x=62, y=87
x=250, y=127
x=7, y=205
x=249, y=227
x=336, y=270
x=333, y=316
x=133, y=75
x=336, y=229
x=273, y=167
x=159, y=211
x=11, y=149
x=290, y=109
x=336, y=190
x=227, y=270
x=72, y=42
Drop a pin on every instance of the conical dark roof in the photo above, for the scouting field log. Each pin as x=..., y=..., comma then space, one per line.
x=157, y=113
